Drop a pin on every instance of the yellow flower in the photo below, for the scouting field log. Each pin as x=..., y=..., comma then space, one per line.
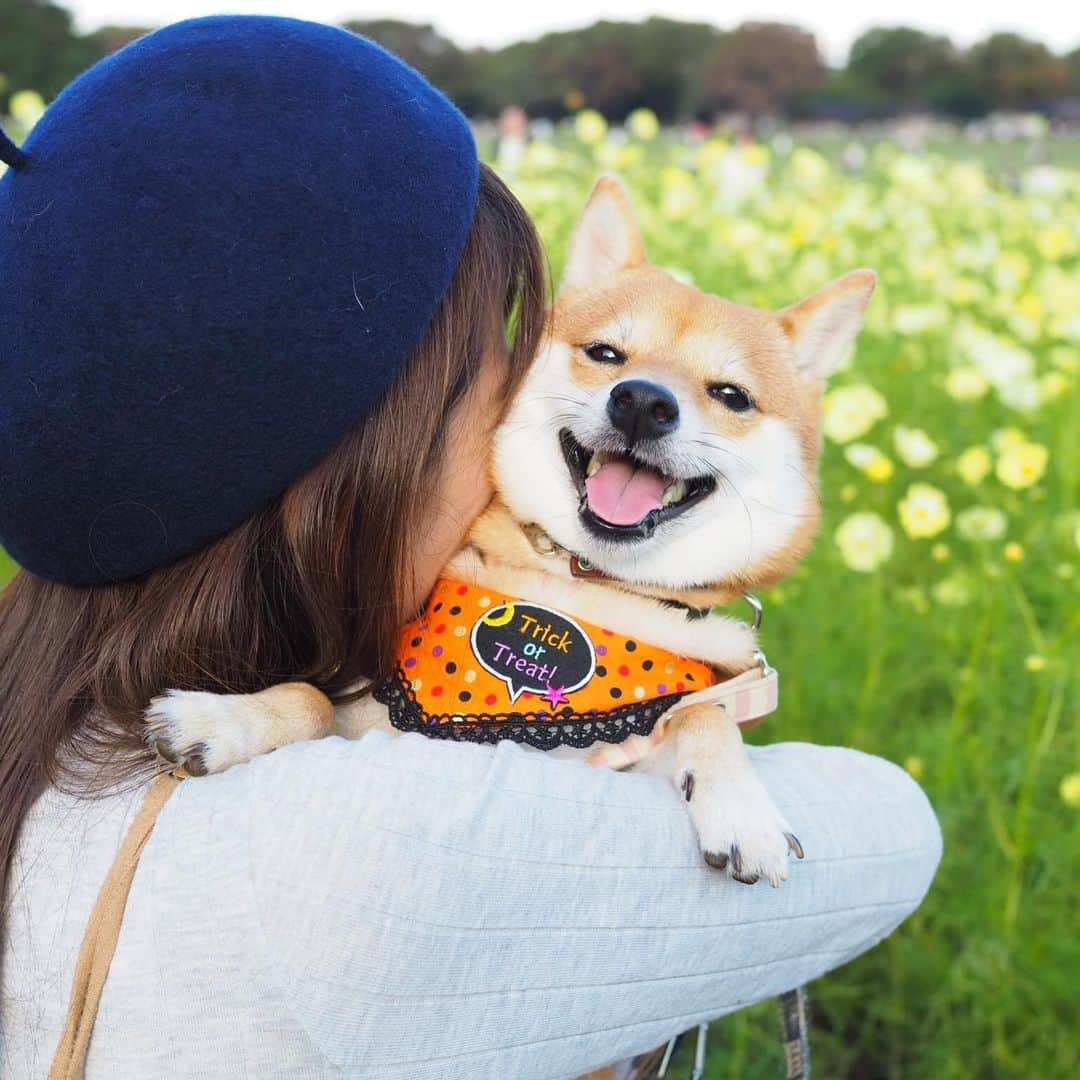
x=919, y=319
x=674, y=178
x=981, y=523
x=1022, y=464
x=966, y=384
x=851, y=411
x=915, y=448
x=1030, y=306
x=954, y=591
x=1055, y=242
x=924, y=511
x=880, y=469
x=679, y=192
x=1053, y=384
x=968, y=180
x=712, y=150
x=542, y=157
x=590, y=126
x=1069, y=789
x=916, y=597
x=914, y=766
x=973, y=465
x=1060, y=292
x=869, y=460
x=965, y=291
x=865, y=541
x=940, y=552
x=1003, y=438
x=1013, y=551
x=1035, y=663
x=642, y=124
x=1012, y=268
x=809, y=167
x=26, y=108
x=756, y=155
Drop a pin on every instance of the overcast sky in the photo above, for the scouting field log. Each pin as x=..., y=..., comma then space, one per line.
x=495, y=22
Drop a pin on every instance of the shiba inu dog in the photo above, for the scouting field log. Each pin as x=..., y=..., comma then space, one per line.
x=658, y=461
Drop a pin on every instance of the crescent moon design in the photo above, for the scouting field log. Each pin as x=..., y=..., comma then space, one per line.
x=499, y=620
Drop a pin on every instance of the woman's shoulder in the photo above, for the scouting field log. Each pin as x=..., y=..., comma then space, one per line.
x=305, y=787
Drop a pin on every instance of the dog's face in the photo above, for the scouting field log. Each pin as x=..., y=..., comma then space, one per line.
x=668, y=436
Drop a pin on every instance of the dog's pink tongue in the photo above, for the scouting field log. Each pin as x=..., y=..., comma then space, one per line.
x=622, y=493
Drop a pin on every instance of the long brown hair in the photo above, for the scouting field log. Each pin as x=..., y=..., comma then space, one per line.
x=312, y=588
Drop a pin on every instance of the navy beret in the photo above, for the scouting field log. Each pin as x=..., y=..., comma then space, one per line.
x=217, y=248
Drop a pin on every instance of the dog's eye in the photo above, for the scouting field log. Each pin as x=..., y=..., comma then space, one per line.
x=734, y=397
x=604, y=354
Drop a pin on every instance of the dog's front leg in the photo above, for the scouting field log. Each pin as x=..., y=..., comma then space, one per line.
x=207, y=733
x=740, y=828
x=361, y=716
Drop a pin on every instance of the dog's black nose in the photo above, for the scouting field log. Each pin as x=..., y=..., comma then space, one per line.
x=642, y=410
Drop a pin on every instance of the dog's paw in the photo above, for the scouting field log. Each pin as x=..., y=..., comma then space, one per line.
x=203, y=732
x=740, y=829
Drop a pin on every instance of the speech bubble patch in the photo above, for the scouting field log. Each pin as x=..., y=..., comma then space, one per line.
x=534, y=650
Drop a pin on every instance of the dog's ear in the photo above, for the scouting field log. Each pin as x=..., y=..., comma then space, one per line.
x=823, y=326
x=606, y=238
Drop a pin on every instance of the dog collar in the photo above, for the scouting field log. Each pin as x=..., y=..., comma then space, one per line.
x=480, y=666
x=580, y=567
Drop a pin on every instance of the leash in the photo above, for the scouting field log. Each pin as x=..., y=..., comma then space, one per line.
x=794, y=1013
x=794, y=1019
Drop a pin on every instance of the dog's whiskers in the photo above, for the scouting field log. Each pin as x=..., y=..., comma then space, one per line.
x=718, y=474
x=810, y=482
x=722, y=479
x=710, y=445
x=581, y=403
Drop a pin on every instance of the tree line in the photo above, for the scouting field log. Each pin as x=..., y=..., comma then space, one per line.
x=680, y=70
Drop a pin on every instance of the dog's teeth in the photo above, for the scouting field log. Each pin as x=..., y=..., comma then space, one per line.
x=675, y=493
x=594, y=465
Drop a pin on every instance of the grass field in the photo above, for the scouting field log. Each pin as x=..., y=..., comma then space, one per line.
x=936, y=622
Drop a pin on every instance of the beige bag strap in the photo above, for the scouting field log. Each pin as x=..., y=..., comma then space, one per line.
x=102, y=932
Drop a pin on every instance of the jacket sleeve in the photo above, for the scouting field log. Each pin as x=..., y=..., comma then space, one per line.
x=446, y=910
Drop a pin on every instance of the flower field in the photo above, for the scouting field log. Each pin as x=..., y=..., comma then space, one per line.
x=936, y=622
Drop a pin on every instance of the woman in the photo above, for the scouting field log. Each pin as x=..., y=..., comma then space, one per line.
x=255, y=294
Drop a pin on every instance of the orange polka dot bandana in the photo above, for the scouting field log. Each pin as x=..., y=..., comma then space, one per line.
x=480, y=666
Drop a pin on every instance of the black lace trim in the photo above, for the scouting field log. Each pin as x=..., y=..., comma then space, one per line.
x=541, y=730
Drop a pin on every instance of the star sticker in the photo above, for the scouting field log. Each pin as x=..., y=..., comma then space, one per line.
x=555, y=695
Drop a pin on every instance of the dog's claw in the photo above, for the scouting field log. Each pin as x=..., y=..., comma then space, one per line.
x=740, y=830
x=160, y=748
x=736, y=860
x=688, y=786
x=192, y=759
x=194, y=763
